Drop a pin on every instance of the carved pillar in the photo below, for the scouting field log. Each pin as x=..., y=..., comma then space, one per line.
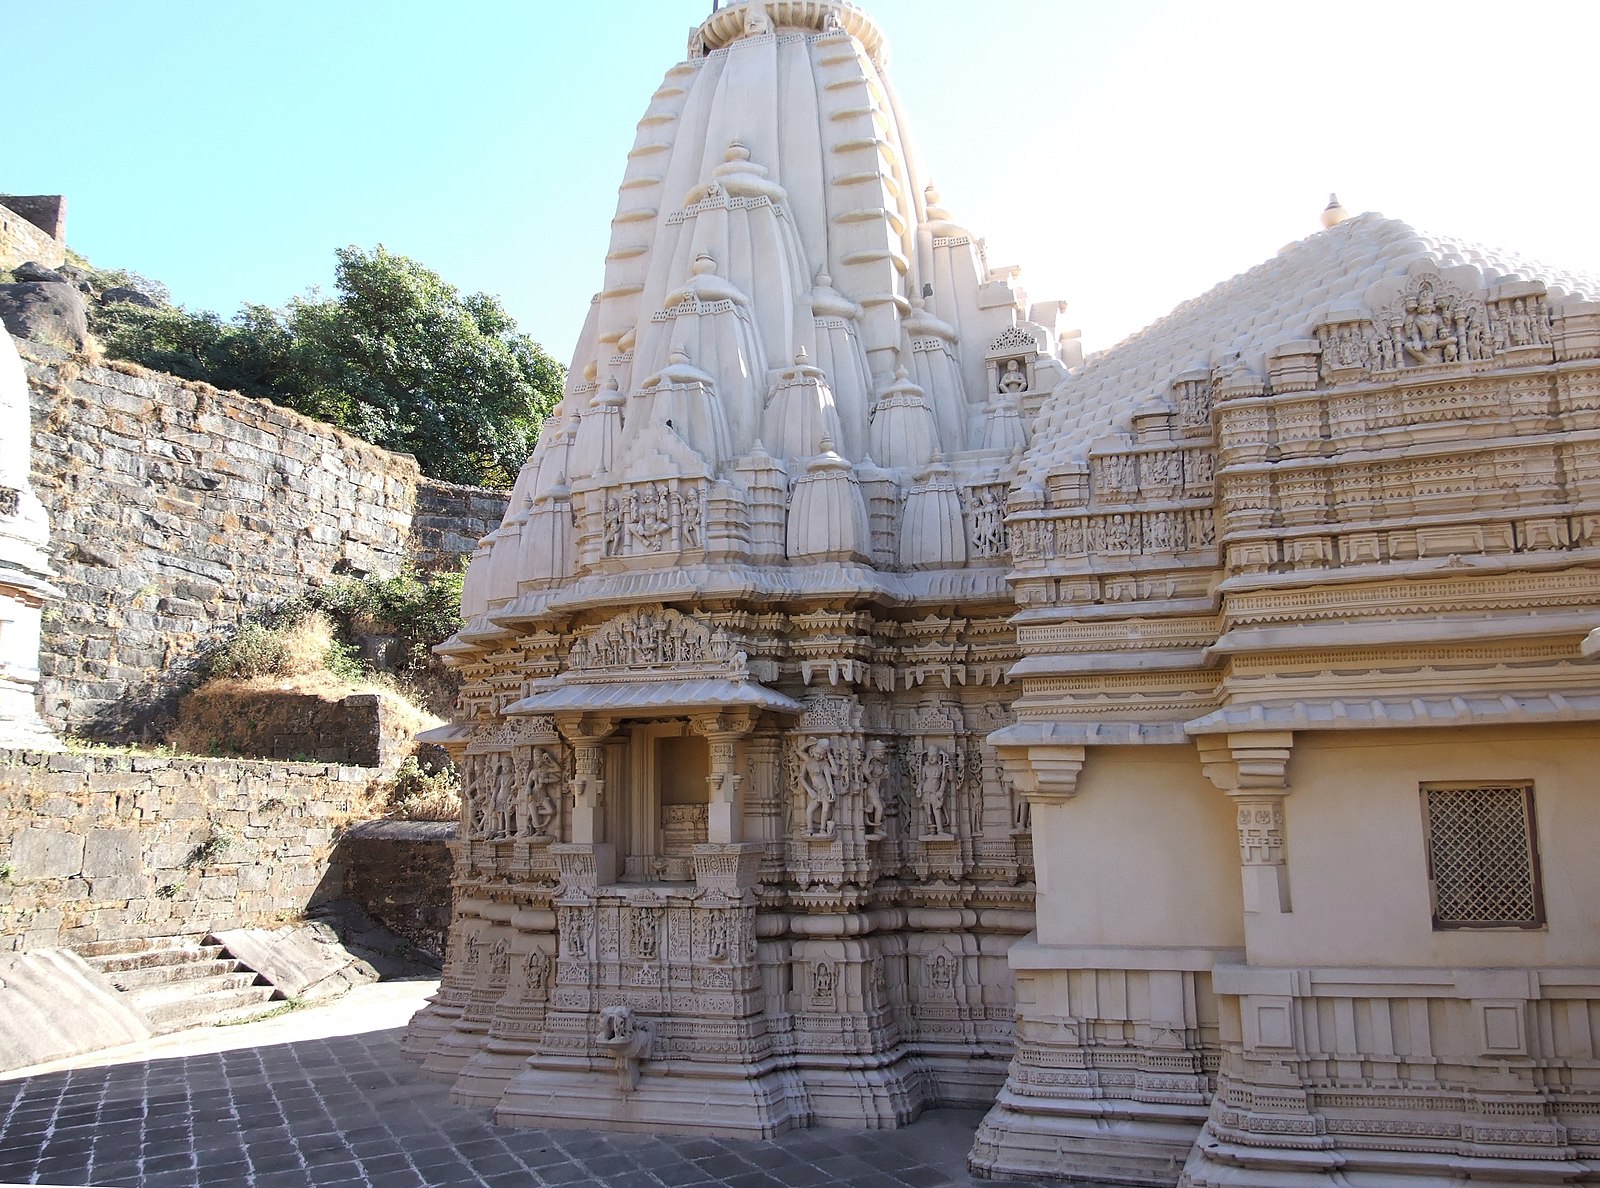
x=722, y=732
x=726, y=864
x=1252, y=769
x=586, y=733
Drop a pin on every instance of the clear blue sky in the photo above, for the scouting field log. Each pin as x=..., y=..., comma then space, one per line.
x=1128, y=155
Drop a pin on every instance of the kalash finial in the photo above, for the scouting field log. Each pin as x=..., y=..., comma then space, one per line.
x=1333, y=214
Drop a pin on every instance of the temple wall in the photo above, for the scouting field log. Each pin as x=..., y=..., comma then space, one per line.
x=177, y=511
x=1357, y=852
x=115, y=846
x=1157, y=803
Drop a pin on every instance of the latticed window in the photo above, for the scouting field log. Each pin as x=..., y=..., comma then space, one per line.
x=1483, y=856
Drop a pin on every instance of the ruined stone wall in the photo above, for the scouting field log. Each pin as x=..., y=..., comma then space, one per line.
x=21, y=240
x=111, y=846
x=449, y=520
x=399, y=872
x=177, y=511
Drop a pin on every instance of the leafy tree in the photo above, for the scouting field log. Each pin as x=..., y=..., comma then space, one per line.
x=399, y=357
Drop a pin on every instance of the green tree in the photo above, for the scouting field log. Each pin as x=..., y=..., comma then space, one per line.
x=398, y=356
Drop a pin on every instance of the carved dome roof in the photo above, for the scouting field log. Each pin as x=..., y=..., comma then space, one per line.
x=1238, y=321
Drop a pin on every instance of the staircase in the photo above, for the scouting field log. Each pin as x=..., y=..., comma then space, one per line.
x=177, y=983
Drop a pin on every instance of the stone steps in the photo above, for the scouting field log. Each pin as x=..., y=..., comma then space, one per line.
x=173, y=957
x=178, y=985
x=140, y=976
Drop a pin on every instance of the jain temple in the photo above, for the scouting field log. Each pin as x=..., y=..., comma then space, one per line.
x=1186, y=753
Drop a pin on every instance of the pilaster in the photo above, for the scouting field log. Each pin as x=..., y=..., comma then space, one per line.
x=1252, y=768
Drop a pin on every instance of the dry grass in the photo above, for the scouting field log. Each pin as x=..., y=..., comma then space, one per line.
x=217, y=716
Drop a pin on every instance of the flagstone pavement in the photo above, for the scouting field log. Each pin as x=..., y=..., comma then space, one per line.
x=321, y=1096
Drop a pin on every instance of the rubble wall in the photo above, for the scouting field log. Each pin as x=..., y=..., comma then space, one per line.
x=399, y=872
x=21, y=241
x=99, y=847
x=178, y=510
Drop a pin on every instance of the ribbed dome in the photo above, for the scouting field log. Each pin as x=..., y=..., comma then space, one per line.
x=778, y=272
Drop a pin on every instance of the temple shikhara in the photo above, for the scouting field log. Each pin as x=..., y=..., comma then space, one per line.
x=871, y=704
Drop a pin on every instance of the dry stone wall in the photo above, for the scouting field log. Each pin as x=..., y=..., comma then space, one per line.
x=177, y=511
x=399, y=872
x=22, y=239
x=98, y=848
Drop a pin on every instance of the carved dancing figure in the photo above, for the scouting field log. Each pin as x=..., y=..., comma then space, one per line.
x=933, y=790
x=819, y=776
x=874, y=772
x=544, y=776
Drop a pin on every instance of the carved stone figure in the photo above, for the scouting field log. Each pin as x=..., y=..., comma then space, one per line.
x=1013, y=380
x=874, y=774
x=933, y=791
x=503, y=803
x=543, y=783
x=629, y=1039
x=1426, y=331
x=819, y=780
x=538, y=969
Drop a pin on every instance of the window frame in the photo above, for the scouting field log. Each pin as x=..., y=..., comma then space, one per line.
x=1535, y=874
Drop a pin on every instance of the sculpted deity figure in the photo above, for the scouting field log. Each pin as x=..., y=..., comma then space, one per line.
x=1426, y=329
x=933, y=791
x=819, y=780
x=538, y=969
x=717, y=937
x=544, y=778
x=613, y=525
x=1013, y=380
x=476, y=794
x=822, y=980
x=502, y=806
x=1521, y=324
x=874, y=773
x=690, y=503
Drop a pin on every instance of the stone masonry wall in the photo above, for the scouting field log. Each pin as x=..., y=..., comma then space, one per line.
x=21, y=241
x=177, y=511
x=113, y=846
x=450, y=520
x=399, y=872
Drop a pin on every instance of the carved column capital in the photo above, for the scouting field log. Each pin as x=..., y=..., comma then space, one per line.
x=581, y=729
x=1046, y=773
x=1253, y=763
x=734, y=723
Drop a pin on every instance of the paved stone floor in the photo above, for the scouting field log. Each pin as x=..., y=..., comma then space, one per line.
x=322, y=1097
